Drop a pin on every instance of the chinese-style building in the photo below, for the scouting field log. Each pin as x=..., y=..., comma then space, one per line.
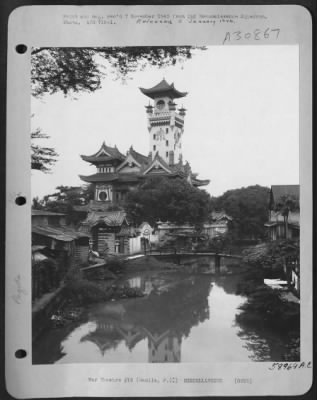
x=116, y=174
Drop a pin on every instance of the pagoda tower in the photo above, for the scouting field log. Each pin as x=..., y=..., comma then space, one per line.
x=165, y=123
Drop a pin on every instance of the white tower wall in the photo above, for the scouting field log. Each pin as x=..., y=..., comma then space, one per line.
x=166, y=127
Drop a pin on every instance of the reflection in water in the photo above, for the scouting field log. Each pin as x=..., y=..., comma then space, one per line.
x=168, y=313
x=183, y=318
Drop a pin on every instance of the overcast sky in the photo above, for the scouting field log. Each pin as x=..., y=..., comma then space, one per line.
x=241, y=126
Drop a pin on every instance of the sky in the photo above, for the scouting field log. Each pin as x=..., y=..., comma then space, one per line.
x=241, y=126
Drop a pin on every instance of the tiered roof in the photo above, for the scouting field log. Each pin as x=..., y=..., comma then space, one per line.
x=147, y=166
x=104, y=154
x=110, y=177
x=163, y=89
x=140, y=158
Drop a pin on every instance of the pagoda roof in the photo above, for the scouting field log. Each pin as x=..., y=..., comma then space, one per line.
x=100, y=177
x=105, y=153
x=110, y=177
x=110, y=218
x=218, y=215
x=163, y=89
x=134, y=157
x=200, y=182
x=156, y=163
x=140, y=158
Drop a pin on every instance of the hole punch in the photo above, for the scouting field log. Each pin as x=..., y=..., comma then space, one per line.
x=21, y=48
x=20, y=353
x=20, y=200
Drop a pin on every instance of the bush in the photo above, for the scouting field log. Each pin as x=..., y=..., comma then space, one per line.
x=114, y=263
x=266, y=305
x=272, y=254
x=82, y=292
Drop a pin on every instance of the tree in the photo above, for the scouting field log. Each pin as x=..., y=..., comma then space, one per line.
x=73, y=70
x=248, y=208
x=64, y=200
x=173, y=200
x=285, y=205
x=272, y=255
x=42, y=158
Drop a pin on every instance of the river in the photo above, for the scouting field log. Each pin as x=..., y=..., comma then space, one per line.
x=182, y=318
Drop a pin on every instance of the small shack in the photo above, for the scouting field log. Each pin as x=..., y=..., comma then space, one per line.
x=67, y=247
x=110, y=231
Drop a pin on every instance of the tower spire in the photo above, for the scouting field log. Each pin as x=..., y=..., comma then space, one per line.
x=165, y=124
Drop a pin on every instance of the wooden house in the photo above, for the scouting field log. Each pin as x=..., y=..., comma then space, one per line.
x=110, y=231
x=276, y=225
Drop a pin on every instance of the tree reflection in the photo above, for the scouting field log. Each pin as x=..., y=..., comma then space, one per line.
x=163, y=317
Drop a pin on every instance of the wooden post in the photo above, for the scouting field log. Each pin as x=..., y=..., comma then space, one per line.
x=217, y=263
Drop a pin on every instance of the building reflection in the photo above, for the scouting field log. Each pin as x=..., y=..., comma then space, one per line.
x=162, y=318
x=164, y=348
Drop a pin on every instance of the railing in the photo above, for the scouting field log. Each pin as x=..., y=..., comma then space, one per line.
x=188, y=251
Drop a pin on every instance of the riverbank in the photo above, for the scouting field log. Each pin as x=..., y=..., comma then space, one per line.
x=263, y=311
x=55, y=309
x=171, y=316
x=269, y=310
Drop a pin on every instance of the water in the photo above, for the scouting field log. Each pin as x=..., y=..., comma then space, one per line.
x=182, y=318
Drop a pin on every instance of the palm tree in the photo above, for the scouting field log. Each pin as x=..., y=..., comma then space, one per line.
x=285, y=205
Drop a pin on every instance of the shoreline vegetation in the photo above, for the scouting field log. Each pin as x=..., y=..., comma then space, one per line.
x=264, y=308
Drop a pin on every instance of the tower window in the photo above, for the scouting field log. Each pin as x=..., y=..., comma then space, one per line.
x=154, y=136
x=166, y=130
x=166, y=142
x=154, y=148
x=167, y=154
x=103, y=196
x=160, y=104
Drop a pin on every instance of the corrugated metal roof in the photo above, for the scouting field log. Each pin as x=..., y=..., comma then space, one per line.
x=58, y=233
x=37, y=247
x=279, y=191
x=46, y=213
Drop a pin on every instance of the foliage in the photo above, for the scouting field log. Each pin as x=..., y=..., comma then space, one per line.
x=64, y=200
x=217, y=244
x=75, y=70
x=83, y=291
x=285, y=205
x=248, y=208
x=272, y=254
x=72, y=70
x=265, y=305
x=115, y=263
x=42, y=158
x=173, y=200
